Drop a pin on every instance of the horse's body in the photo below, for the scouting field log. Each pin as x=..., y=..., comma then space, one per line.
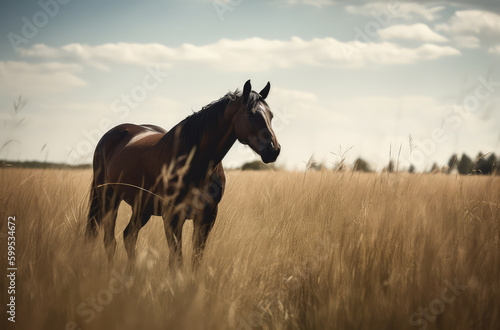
x=176, y=174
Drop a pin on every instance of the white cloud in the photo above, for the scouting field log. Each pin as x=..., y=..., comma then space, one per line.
x=406, y=10
x=495, y=50
x=390, y=53
x=417, y=31
x=41, y=78
x=466, y=41
x=469, y=28
x=102, y=55
x=467, y=22
x=244, y=55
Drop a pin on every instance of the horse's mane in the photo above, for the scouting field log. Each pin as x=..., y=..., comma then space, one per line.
x=207, y=119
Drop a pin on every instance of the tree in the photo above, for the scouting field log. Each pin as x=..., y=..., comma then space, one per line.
x=390, y=166
x=256, y=165
x=465, y=165
x=316, y=167
x=361, y=165
x=434, y=168
x=483, y=164
x=492, y=163
x=479, y=166
x=452, y=162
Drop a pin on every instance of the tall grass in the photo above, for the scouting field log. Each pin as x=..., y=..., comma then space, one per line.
x=289, y=250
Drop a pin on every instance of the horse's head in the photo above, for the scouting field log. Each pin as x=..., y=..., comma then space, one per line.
x=253, y=123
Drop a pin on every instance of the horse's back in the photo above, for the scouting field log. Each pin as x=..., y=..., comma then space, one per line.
x=125, y=144
x=155, y=128
x=122, y=136
x=130, y=130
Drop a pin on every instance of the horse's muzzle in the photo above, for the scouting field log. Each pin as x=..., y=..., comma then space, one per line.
x=270, y=153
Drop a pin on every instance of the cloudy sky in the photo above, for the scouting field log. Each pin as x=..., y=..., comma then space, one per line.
x=347, y=76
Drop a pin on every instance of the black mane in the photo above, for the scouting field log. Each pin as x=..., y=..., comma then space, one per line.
x=207, y=119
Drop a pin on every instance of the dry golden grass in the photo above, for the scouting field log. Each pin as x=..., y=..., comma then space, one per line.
x=289, y=250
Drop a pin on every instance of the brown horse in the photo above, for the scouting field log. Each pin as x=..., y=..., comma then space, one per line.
x=176, y=174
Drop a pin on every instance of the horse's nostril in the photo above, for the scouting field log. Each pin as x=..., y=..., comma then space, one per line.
x=272, y=150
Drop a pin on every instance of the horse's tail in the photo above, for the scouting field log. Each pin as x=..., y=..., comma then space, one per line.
x=95, y=210
x=94, y=217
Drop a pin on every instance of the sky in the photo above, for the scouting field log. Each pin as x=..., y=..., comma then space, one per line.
x=414, y=81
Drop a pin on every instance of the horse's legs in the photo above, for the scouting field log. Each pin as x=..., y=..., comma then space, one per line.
x=130, y=234
x=110, y=204
x=202, y=226
x=173, y=231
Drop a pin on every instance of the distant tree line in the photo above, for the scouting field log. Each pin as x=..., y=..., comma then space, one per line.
x=257, y=165
x=42, y=165
x=483, y=164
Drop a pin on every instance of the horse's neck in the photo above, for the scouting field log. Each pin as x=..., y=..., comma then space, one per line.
x=214, y=146
x=209, y=149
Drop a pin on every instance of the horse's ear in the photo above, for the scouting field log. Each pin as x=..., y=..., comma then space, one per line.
x=246, y=91
x=264, y=92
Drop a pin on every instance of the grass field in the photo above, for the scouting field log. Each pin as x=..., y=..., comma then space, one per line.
x=288, y=251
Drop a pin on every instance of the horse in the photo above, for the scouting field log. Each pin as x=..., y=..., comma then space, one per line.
x=175, y=174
